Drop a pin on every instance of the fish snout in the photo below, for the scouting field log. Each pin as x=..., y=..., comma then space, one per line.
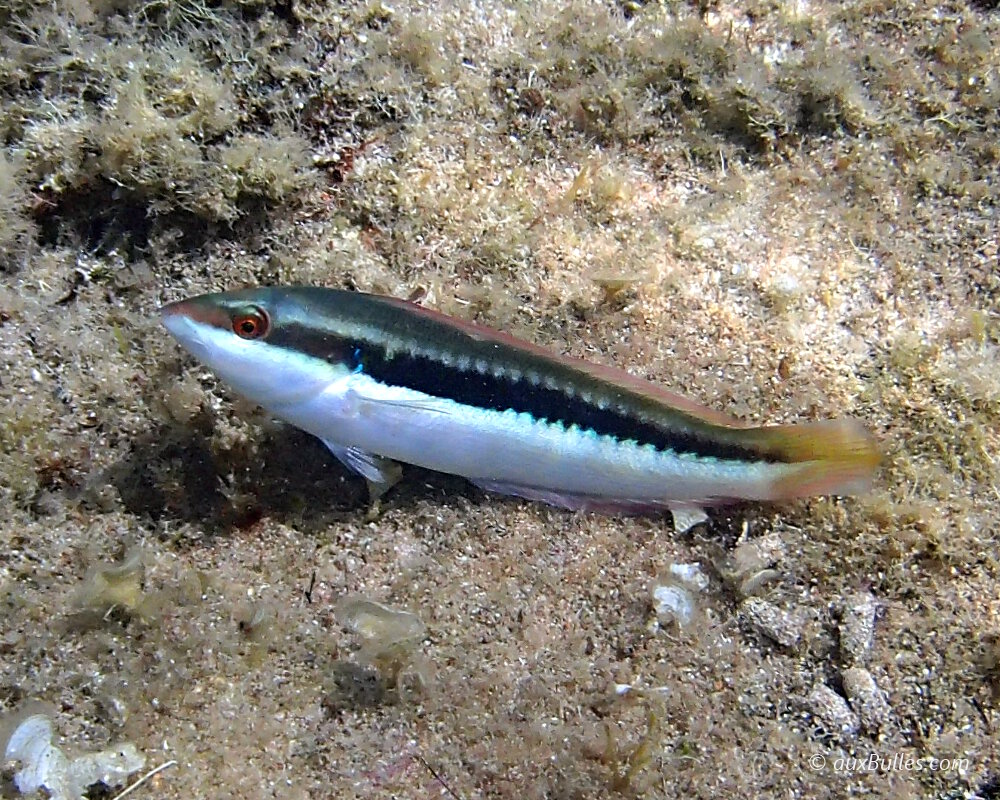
x=195, y=309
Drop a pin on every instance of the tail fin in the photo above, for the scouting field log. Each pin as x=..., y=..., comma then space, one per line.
x=834, y=457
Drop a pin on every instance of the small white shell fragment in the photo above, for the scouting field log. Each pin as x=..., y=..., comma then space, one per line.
x=673, y=595
x=773, y=622
x=857, y=627
x=673, y=602
x=831, y=711
x=771, y=548
x=43, y=765
x=865, y=697
x=752, y=564
x=110, y=767
x=783, y=284
x=690, y=574
x=623, y=689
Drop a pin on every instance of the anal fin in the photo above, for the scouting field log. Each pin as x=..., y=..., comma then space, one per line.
x=685, y=515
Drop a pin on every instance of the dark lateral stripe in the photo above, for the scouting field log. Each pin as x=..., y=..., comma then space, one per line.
x=439, y=378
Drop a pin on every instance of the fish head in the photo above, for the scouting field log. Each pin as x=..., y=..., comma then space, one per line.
x=247, y=338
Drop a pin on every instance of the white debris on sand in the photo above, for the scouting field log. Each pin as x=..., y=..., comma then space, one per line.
x=44, y=765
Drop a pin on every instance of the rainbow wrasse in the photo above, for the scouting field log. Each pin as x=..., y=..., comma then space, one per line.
x=382, y=380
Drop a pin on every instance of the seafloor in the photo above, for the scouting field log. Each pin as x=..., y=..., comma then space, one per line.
x=785, y=210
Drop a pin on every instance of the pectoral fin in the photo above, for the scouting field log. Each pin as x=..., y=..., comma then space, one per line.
x=381, y=473
x=366, y=396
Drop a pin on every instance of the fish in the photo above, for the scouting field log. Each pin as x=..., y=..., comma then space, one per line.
x=382, y=380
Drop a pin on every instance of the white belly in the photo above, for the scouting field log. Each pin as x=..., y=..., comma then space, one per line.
x=511, y=448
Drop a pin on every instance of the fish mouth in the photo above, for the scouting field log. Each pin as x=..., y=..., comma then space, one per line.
x=183, y=326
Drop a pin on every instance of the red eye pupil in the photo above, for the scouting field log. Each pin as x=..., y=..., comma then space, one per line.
x=248, y=326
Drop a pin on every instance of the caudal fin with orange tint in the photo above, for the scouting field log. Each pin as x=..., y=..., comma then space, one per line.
x=837, y=457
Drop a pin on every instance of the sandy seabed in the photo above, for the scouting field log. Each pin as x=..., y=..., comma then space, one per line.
x=786, y=211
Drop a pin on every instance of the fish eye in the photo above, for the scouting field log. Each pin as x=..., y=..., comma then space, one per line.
x=251, y=323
